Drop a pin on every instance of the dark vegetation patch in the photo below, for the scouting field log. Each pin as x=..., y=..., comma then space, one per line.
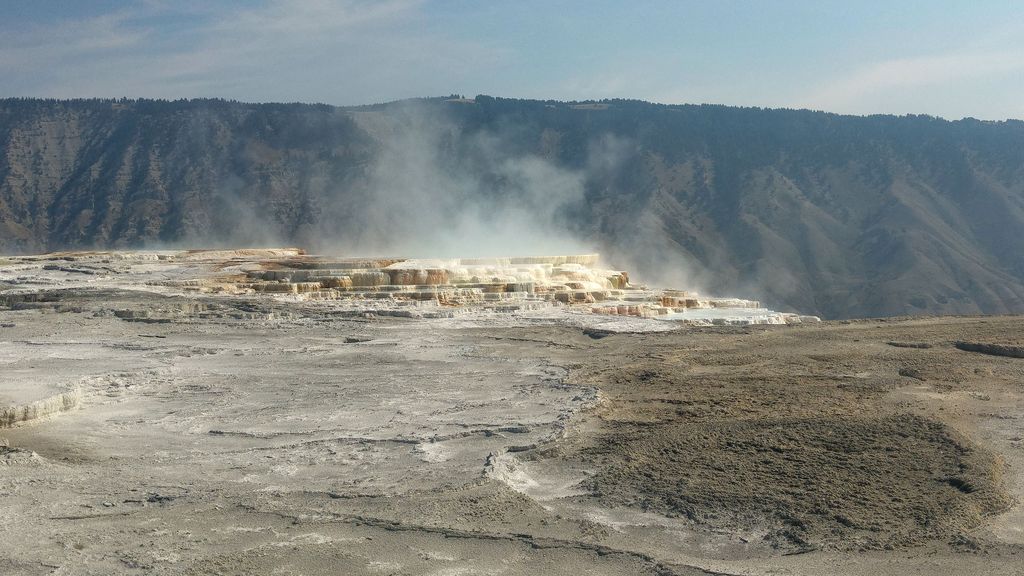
x=991, y=349
x=919, y=345
x=792, y=434
x=835, y=483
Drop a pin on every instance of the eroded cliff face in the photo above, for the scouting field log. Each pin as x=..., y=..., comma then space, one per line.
x=108, y=174
x=825, y=214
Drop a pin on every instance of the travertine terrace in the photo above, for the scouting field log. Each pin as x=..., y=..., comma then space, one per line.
x=273, y=412
x=415, y=288
x=443, y=288
x=420, y=288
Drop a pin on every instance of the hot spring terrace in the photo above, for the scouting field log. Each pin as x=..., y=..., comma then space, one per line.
x=416, y=288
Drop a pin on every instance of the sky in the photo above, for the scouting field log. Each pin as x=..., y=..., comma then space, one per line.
x=943, y=58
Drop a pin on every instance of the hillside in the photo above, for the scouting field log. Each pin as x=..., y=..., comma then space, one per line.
x=834, y=215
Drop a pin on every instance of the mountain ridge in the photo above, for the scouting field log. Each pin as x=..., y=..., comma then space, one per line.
x=812, y=211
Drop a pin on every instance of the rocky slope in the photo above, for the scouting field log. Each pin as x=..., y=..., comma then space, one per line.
x=833, y=215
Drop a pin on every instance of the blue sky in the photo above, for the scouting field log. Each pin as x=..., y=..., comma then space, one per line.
x=950, y=59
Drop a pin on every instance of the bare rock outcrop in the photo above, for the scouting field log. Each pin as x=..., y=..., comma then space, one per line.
x=16, y=414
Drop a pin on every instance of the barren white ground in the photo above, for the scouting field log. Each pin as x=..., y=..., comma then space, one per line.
x=277, y=438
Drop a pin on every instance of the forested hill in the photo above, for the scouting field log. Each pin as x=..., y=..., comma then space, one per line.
x=841, y=216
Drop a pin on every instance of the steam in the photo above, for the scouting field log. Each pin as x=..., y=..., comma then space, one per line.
x=245, y=224
x=636, y=239
x=437, y=187
x=436, y=192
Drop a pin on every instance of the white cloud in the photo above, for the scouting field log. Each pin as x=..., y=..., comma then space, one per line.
x=338, y=51
x=875, y=87
x=316, y=17
x=39, y=46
